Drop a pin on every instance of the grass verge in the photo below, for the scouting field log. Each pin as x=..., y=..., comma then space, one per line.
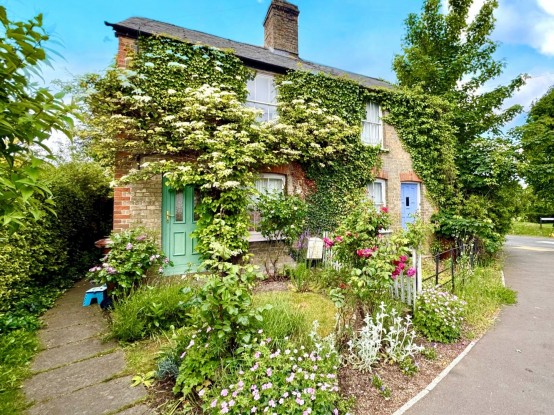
x=532, y=229
x=485, y=295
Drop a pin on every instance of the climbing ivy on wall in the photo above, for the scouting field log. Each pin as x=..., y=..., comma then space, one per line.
x=344, y=178
x=422, y=123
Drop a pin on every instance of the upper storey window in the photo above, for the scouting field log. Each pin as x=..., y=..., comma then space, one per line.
x=372, y=125
x=263, y=95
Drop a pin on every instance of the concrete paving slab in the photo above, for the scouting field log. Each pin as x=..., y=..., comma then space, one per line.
x=97, y=399
x=70, y=353
x=70, y=316
x=57, y=337
x=57, y=382
x=138, y=410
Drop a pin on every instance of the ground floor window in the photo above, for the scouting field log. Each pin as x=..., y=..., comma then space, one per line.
x=377, y=192
x=267, y=183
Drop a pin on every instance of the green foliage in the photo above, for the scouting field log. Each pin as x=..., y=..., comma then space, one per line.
x=438, y=315
x=532, y=229
x=341, y=177
x=132, y=255
x=16, y=350
x=282, y=217
x=383, y=389
x=289, y=380
x=537, y=138
x=83, y=205
x=451, y=58
x=485, y=294
x=285, y=320
x=446, y=55
x=29, y=114
x=371, y=261
x=224, y=303
x=302, y=278
x=311, y=306
x=281, y=223
x=151, y=309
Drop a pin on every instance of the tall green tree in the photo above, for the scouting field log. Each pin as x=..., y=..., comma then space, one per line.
x=537, y=141
x=28, y=115
x=449, y=55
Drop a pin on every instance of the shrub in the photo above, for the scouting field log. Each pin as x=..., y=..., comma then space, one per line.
x=133, y=253
x=290, y=380
x=438, y=315
x=377, y=339
x=151, y=309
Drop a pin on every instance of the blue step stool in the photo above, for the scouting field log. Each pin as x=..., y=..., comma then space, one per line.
x=95, y=293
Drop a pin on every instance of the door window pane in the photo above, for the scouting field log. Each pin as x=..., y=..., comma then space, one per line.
x=179, y=197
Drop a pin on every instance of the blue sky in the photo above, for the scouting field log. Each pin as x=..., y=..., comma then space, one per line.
x=357, y=35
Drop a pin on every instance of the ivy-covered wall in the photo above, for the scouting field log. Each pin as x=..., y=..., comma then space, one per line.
x=336, y=163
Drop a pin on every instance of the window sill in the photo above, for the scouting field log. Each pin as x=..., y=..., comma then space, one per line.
x=258, y=237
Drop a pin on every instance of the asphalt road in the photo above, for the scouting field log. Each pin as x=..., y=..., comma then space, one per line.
x=511, y=369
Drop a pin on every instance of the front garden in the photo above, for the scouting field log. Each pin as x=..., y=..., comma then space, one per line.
x=325, y=339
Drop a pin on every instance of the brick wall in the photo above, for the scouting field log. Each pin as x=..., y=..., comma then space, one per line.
x=281, y=27
x=396, y=168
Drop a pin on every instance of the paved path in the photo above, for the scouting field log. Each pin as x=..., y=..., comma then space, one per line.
x=77, y=373
x=511, y=369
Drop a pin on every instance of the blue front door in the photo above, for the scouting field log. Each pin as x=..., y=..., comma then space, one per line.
x=409, y=200
x=179, y=221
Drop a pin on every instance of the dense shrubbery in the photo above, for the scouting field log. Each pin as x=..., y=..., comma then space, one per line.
x=42, y=258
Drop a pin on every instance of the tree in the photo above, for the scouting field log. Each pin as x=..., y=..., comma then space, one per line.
x=450, y=56
x=537, y=141
x=28, y=115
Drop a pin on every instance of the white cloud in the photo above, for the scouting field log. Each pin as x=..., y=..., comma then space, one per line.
x=547, y=6
x=528, y=22
x=535, y=87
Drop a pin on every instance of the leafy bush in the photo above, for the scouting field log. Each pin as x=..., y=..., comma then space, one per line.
x=281, y=221
x=151, y=309
x=438, y=315
x=290, y=380
x=377, y=339
x=133, y=253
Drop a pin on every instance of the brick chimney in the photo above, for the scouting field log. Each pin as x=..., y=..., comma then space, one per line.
x=281, y=28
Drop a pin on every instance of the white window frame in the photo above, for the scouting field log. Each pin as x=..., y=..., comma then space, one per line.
x=257, y=102
x=256, y=236
x=371, y=192
x=370, y=121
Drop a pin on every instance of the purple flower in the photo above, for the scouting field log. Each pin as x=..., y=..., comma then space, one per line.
x=129, y=246
x=141, y=237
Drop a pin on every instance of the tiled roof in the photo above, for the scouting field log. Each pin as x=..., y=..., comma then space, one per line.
x=134, y=26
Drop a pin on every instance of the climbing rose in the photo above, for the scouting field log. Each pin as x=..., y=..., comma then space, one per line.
x=328, y=242
x=411, y=272
x=384, y=209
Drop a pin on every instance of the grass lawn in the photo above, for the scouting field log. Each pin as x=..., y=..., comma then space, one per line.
x=532, y=229
x=311, y=306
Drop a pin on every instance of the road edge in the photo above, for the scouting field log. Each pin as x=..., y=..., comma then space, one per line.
x=435, y=381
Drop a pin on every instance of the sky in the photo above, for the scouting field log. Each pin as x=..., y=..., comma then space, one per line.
x=360, y=36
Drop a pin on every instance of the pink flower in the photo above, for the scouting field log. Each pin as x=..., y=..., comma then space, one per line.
x=364, y=253
x=338, y=239
x=328, y=242
x=129, y=246
x=384, y=209
x=411, y=272
x=141, y=237
x=403, y=258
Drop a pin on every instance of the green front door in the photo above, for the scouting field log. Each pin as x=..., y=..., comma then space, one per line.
x=178, y=223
